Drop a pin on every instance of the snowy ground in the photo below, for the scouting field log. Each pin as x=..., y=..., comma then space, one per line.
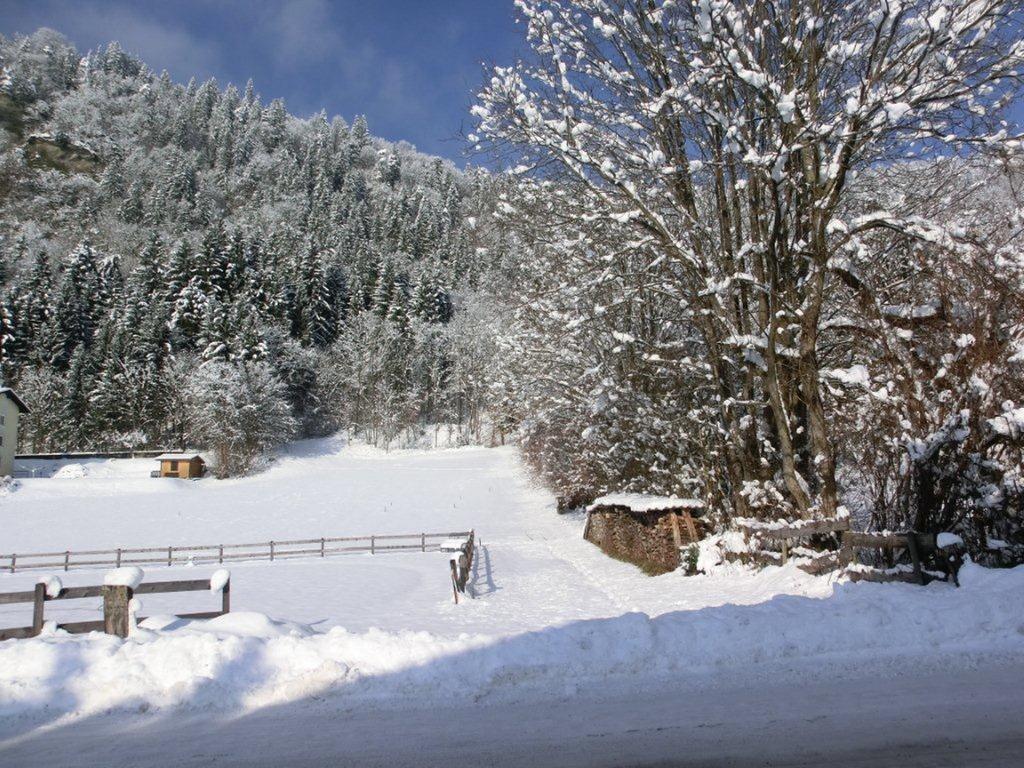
x=553, y=620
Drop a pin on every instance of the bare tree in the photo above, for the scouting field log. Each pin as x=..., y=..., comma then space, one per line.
x=727, y=137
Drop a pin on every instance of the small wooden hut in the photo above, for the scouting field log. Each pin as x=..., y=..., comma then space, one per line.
x=184, y=465
x=648, y=531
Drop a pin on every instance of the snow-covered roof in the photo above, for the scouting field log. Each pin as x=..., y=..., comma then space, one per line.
x=10, y=393
x=178, y=456
x=642, y=502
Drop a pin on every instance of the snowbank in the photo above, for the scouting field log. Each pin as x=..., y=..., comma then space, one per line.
x=245, y=661
x=70, y=472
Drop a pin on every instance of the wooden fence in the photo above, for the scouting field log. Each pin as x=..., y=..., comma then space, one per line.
x=787, y=539
x=116, y=618
x=927, y=558
x=148, y=453
x=223, y=553
x=461, y=567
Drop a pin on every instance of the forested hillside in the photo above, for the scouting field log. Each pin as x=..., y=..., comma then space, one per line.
x=173, y=255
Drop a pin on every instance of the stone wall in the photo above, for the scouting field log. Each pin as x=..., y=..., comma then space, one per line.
x=645, y=539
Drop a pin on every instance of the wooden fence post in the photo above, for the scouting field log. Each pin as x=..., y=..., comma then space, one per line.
x=915, y=558
x=170, y=552
x=14, y=562
x=220, y=555
x=373, y=545
x=67, y=559
x=455, y=580
x=323, y=551
x=37, y=608
x=225, y=597
x=115, y=609
x=423, y=542
x=117, y=564
x=845, y=549
x=271, y=551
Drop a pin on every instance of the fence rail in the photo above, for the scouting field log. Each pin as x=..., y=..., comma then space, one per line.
x=224, y=553
x=925, y=555
x=115, y=605
x=146, y=453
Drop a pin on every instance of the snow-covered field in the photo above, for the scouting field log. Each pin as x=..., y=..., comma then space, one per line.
x=551, y=616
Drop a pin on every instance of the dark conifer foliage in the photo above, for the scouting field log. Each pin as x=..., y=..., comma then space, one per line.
x=149, y=230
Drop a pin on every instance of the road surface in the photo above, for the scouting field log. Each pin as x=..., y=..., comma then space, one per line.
x=924, y=718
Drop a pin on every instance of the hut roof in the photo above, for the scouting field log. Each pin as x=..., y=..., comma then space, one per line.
x=642, y=502
x=184, y=456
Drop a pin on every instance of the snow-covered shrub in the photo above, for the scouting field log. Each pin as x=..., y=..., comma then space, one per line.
x=239, y=411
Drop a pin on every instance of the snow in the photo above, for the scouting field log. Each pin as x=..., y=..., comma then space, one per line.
x=854, y=375
x=641, y=502
x=548, y=613
x=219, y=580
x=128, y=576
x=246, y=660
x=184, y=456
x=70, y=472
x=53, y=584
x=948, y=540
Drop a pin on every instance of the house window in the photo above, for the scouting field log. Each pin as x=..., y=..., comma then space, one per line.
x=174, y=466
x=3, y=419
x=1, y=439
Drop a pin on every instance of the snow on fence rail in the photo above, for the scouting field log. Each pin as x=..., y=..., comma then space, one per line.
x=222, y=553
x=116, y=601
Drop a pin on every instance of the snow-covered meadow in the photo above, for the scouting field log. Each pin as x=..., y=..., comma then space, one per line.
x=550, y=611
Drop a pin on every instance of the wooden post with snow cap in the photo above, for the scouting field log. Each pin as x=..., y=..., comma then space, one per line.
x=39, y=598
x=118, y=590
x=115, y=609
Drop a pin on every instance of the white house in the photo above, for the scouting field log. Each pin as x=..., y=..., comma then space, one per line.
x=11, y=408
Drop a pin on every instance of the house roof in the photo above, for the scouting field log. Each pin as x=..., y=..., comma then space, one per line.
x=184, y=456
x=10, y=393
x=642, y=502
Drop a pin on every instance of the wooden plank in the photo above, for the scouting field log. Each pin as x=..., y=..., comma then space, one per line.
x=691, y=527
x=881, y=577
x=877, y=540
x=77, y=593
x=79, y=627
x=800, y=531
x=16, y=633
x=160, y=587
x=827, y=561
x=677, y=536
x=7, y=598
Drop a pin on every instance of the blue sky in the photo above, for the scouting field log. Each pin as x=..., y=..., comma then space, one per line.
x=411, y=66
